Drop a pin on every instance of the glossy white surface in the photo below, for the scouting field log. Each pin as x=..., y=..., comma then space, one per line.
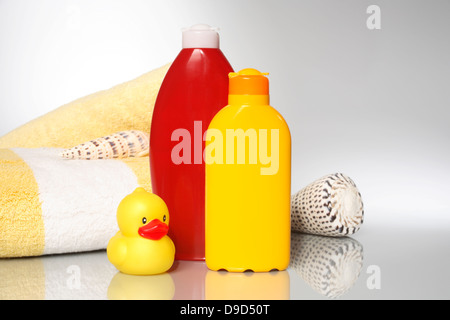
x=377, y=263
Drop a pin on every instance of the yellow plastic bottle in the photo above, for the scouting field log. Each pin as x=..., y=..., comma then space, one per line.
x=248, y=181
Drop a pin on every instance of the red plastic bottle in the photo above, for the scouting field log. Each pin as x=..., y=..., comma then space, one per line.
x=193, y=91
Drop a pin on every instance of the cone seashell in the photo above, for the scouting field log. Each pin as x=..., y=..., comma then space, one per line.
x=330, y=206
x=120, y=145
x=330, y=266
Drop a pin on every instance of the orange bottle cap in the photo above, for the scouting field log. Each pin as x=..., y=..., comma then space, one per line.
x=249, y=82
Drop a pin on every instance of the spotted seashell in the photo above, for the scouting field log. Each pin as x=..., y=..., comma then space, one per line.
x=330, y=206
x=330, y=266
x=120, y=145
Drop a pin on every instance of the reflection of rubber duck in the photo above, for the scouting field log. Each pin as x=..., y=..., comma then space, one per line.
x=154, y=287
x=142, y=246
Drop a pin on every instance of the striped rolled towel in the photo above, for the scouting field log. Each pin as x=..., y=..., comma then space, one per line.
x=49, y=205
x=330, y=206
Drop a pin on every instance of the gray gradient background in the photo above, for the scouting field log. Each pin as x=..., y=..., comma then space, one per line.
x=374, y=104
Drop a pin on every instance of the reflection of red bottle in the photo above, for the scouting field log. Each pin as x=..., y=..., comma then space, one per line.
x=193, y=91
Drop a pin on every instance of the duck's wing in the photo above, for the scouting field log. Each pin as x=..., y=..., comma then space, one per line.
x=117, y=250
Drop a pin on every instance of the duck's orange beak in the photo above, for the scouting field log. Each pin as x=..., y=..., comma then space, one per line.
x=154, y=230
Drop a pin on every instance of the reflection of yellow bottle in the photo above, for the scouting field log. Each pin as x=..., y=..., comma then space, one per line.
x=248, y=172
x=247, y=286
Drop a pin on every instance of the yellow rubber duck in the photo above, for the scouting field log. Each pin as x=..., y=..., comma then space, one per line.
x=142, y=246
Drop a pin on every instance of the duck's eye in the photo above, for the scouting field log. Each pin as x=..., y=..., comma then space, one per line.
x=164, y=218
x=144, y=220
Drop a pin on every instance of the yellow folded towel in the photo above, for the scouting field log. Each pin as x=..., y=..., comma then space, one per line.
x=128, y=106
x=49, y=205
